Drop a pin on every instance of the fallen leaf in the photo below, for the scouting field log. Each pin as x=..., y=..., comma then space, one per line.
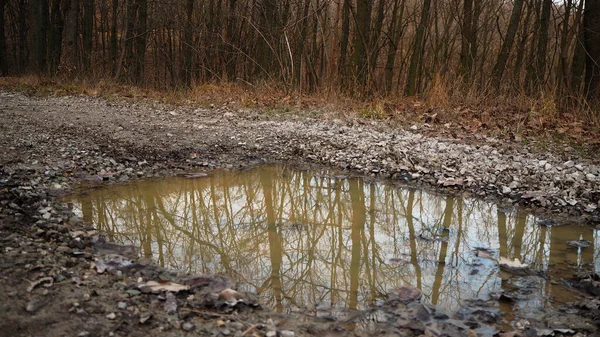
x=154, y=286
x=40, y=281
x=512, y=264
x=196, y=175
x=230, y=296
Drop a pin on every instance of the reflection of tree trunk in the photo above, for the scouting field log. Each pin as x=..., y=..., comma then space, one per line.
x=439, y=274
x=412, y=237
x=502, y=235
x=157, y=228
x=357, y=196
x=275, y=250
x=517, y=239
x=87, y=210
x=337, y=252
x=146, y=224
x=373, y=276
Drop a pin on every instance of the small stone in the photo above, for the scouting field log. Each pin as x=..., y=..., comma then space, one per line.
x=112, y=315
x=145, y=316
x=122, y=305
x=569, y=164
x=506, y=190
x=287, y=333
x=33, y=305
x=579, y=167
x=271, y=333
x=187, y=326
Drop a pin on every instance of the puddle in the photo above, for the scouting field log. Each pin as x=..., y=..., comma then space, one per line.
x=303, y=240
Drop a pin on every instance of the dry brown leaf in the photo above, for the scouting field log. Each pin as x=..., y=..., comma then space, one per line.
x=154, y=286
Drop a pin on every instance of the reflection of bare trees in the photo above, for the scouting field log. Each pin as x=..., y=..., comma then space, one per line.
x=301, y=239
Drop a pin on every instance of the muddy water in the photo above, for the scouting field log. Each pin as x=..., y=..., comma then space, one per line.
x=308, y=240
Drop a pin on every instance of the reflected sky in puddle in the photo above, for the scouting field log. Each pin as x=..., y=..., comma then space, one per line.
x=303, y=239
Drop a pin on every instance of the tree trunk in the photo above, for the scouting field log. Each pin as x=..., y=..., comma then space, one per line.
x=522, y=48
x=578, y=62
x=55, y=36
x=377, y=30
x=360, y=57
x=141, y=36
x=71, y=34
x=562, y=75
x=187, y=70
x=39, y=29
x=265, y=39
x=345, y=38
x=114, y=36
x=23, y=57
x=395, y=35
x=539, y=74
x=3, y=65
x=418, y=50
x=509, y=39
x=232, y=41
x=591, y=36
x=300, y=44
x=87, y=33
x=467, y=32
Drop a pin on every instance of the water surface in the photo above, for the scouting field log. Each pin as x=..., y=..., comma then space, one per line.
x=305, y=240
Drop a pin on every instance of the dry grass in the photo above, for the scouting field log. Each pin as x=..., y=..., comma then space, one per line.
x=447, y=105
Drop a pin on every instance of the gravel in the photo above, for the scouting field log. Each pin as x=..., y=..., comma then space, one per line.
x=53, y=144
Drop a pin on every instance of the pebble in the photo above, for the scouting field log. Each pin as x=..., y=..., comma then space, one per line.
x=287, y=333
x=187, y=326
x=122, y=305
x=111, y=316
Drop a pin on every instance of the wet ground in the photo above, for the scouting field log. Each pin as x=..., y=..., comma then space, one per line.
x=283, y=235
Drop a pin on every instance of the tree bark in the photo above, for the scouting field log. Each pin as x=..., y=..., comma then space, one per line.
x=187, y=70
x=71, y=35
x=360, y=57
x=377, y=30
x=114, y=36
x=418, y=50
x=345, y=38
x=509, y=39
x=396, y=31
x=3, y=56
x=467, y=32
x=39, y=29
x=539, y=74
x=563, y=68
x=87, y=33
x=55, y=36
x=591, y=36
x=578, y=62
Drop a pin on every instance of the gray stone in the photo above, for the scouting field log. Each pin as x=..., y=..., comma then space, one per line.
x=187, y=326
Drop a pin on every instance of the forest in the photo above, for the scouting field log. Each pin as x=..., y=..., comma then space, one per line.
x=362, y=48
